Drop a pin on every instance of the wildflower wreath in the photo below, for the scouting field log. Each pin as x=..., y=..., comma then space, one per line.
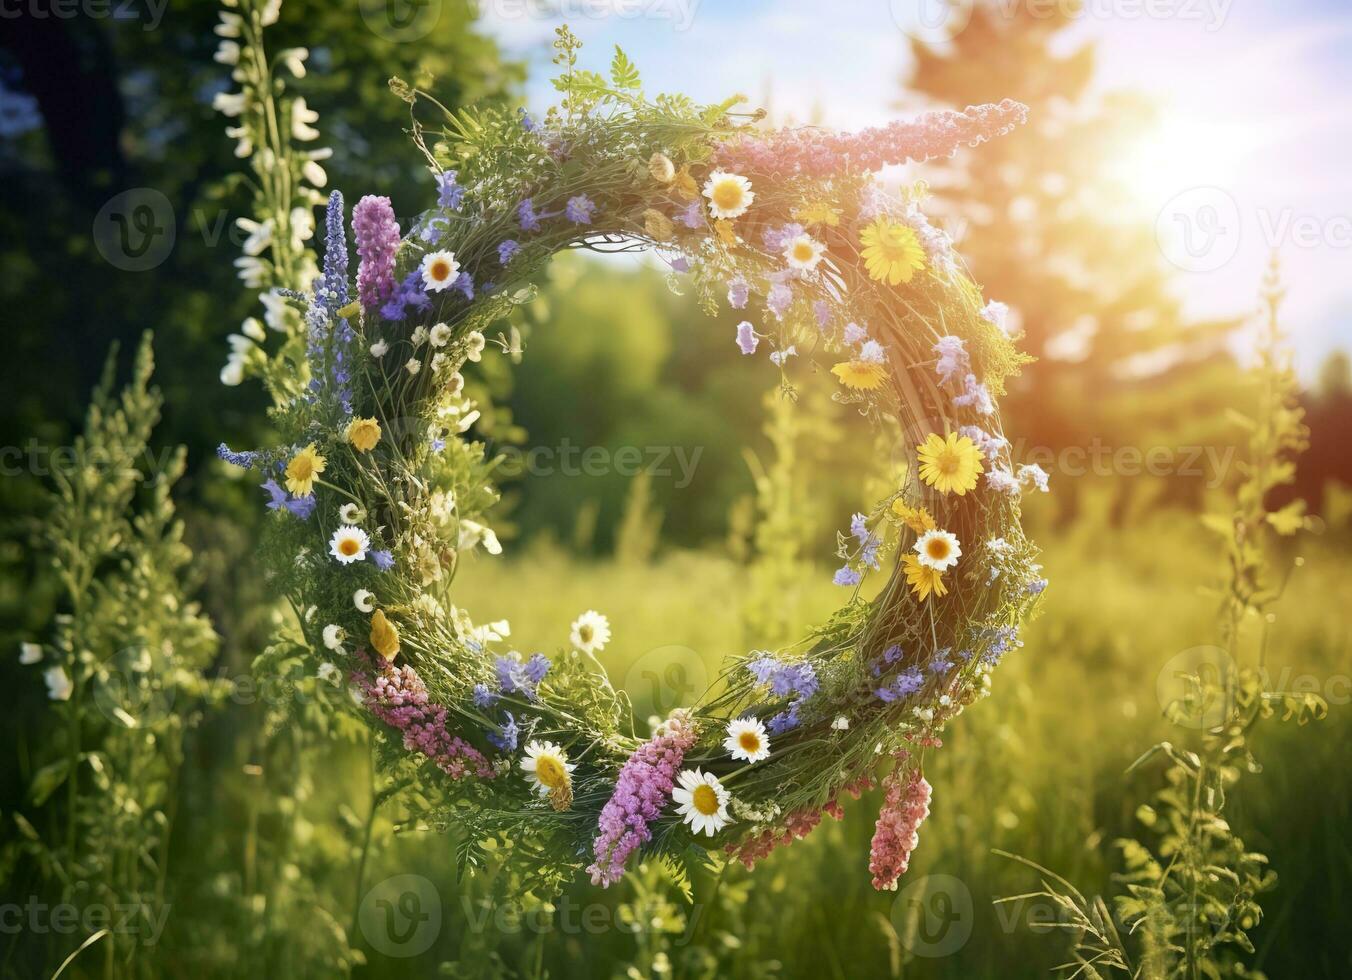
x=379, y=488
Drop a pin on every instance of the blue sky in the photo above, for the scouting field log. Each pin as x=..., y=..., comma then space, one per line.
x=1257, y=99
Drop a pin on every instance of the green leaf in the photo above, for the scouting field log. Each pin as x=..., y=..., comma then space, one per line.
x=623, y=72
x=48, y=779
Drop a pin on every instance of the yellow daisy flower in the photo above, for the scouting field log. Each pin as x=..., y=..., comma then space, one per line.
x=363, y=434
x=302, y=470
x=891, y=251
x=860, y=375
x=949, y=465
x=918, y=519
x=384, y=635
x=923, y=580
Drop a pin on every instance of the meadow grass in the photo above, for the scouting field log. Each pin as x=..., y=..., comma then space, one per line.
x=1038, y=769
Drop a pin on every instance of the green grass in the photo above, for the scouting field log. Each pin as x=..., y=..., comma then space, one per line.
x=1037, y=769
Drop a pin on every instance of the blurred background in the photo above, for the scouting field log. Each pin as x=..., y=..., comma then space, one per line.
x=1173, y=149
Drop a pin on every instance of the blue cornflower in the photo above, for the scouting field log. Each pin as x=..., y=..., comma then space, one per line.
x=536, y=668
x=892, y=654
x=846, y=575
x=527, y=123
x=506, y=736
x=483, y=697
x=525, y=213
x=383, y=560
x=465, y=283
x=507, y=249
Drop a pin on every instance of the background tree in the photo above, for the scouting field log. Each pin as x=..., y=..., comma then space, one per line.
x=1047, y=229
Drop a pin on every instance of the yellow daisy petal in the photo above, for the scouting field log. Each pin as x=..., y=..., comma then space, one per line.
x=891, y=251
x=302, y=470
x=950, y=464
x=923, y=580
x=860, y=375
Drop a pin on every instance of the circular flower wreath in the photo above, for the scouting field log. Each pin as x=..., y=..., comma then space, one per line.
x=378, y=491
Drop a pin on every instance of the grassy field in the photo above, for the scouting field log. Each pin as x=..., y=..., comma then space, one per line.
x=1037, y=770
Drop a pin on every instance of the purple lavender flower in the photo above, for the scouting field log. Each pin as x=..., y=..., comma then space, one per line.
x=784, y=721
x=641, y=791
x=855, y=334
x=398, y=697
x=779, y=299
x=527, y=123
x=822, y=310
x=680, y=264
x=941, y=664
x=377, y=234
x=244, y=460
x=410, y=294
x=506, y=736
x=872, y=351
x=333, y=284
x=975, y=395
x=846, y=575
x=747, y=340
x=525, y=212
x=449, y=193
x=738, y=291
x=579, y=209
x=892, y=654
x=990, y=445
x=482, y=696
x=507, y=249
x=692, y=216
x=952, y=358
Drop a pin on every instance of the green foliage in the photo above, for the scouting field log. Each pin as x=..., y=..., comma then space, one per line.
x=1190, y=896
x=125, y=665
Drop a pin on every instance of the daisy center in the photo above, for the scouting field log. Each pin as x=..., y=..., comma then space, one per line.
x=704, y=799
x=302, y=468
x=802, y=252
x=727, y=194
x=349, y=546
x=937, y=548
x=584, y=633
x=440, y=269
x=550, y=771
x=749, y=741
x=948, y=463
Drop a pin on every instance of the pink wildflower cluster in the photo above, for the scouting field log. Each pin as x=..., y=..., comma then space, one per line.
x=397, y=696
x=905, y=807
x=797, y=825
x=808, y=152
x=377, y=234
x=642, y=789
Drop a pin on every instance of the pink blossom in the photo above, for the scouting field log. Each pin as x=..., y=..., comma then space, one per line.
x=377, y=234
x=797, y=825
x=812, y=152
x=905, y=807
x=398, y=697
x=641, y=791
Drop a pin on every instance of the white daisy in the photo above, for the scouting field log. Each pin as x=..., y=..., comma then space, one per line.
x=803, y=253
x=413, y=365
x=747, y=740
x=29, y=653
x=703, y=801
x=349, y=544
x=547, y=767
x=59, y=687
x=334, y=635
x=439, y=270
x=729, y=194
x=349, y=513
x=938, y=550
x=364, y=600
x=439, y=335
x=379, y=349
x=591, y=632
x=330, y=673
